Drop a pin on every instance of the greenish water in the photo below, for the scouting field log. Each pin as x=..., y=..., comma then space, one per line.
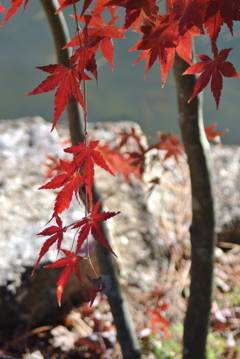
x=25, y=43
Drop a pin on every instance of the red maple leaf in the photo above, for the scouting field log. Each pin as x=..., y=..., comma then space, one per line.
x=130, y=135
x=65, y=3
x=88, y=156
x=71, y=180
x=56, y=234
x=146, y=5
x=212, y=70
x=127, y=168
x=98, y=286
x=100, y=6
x=70, y=262
x=157, y=320
x=171, y=144
x=130, y=165
x=184, y=47
x=213, y=26
x=2, y=8
x=157, y=37
x=54, y=167
x=189, y=13
x=227, y=10
x=161, y=40
x=113, y=157
x=137, y=158
x=214, y=135
x=118, y=162
x=218, y=13
x=91, y=224
x=106, y=31
x=84, y=56
x=135, y=9
x=15, y=6
x=68, y=82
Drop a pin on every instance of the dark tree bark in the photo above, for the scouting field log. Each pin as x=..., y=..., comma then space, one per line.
x=202, y=228
x=108, y=268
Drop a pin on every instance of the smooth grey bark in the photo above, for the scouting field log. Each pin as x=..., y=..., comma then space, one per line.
x=122, y=319
x=203, y=221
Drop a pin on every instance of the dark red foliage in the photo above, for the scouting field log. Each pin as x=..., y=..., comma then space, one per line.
x=71, y=180
x=87, y=156
x=56, y=234
x=15, y=5
x=67, y=80
x=70, y=262
x=163, y=36
x=214, y=70
x=213, y=135
x=91, y=223
x=2, y=8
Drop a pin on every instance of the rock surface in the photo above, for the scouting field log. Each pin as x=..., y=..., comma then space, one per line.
x=139, y=233
x=226, y=176
x=24, y=213
x=24, y=144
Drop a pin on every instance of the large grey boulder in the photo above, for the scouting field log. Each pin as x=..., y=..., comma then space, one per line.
x=226, y=177
x=30, y=301
x=140, y=234
x=24, y=212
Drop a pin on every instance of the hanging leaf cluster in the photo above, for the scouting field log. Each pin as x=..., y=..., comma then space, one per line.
x=163, y=36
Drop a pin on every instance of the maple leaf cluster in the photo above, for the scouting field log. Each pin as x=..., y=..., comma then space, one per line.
x=163, y=37
x=70, y=180
x=2, y=8
x=72, y=176
x=128, y=162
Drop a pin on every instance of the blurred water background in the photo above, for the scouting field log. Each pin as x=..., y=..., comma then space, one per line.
x=26, y=42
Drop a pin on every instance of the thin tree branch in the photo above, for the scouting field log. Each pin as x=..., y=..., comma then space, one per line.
x=202, y=229
x=61, y=37
x=117, y=301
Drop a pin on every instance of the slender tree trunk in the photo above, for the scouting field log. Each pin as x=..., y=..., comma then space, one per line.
x=117, y=301
x=202, y=228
